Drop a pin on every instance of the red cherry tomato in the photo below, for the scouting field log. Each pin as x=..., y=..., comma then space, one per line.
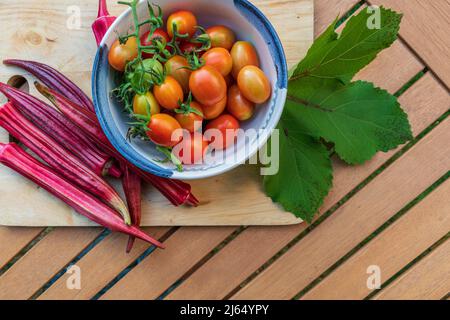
x=191, y=121
x=189, y=47
x=207, y=85
x=161, y=127
x=169, y=93
x=177, y=68
x=243, y=54
x=221, y=37
x=185, y=22
x=213, y=111
x=159, y=34
x=220, y=59
x=254, y=84
x=120, y=54
x=227, y=126
x=237, y=105
x=192, y=149
x=143, y=101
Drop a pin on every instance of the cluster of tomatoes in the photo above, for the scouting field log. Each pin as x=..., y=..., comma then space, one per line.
x=218, y=84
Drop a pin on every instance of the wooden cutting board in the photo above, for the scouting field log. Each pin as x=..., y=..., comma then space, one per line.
x=37, y=30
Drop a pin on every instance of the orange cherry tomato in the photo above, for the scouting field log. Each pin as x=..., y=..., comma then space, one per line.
x=143, y=101
x=185, y=22
x=169, y=93
x=213, y=111
x=221, y=37
x=161, y=127
x=159, y=34
x=254, y=84
x=243, y=54
x=176, y=67
x=192, y=149
x=120, y=54
x=237, y=105
x=207, y=85
x=227, y=126
x=220, y=59
x=191, y=121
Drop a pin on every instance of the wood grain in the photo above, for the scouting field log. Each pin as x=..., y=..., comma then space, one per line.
x=425, y=27
x=100, y=266
x=429, y=279
x=390, y=191
x=43, y=36
x=241, y=262
x=326, y=11
x=12, y=240
x=28, y=274
x=163, y=268
x=393, y=249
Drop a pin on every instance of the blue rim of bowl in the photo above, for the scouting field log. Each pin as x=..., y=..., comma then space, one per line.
x=99, y=80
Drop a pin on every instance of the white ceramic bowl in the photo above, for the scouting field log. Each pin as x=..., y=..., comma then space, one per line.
x=249, y=24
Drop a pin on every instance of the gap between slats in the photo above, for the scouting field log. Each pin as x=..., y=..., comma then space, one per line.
x=432, y=266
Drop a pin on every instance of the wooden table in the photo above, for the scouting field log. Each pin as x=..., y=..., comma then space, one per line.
x=388, y=218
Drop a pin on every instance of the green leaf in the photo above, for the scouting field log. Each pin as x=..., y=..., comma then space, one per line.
x=305, y=173
x=342, y=57
x=358, y=118
x=323, y=107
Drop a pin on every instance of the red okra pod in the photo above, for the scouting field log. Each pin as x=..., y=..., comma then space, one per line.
x=84, y=203
x=61, y=129
x=131, y=183
x=53, y=79
x=59, y=159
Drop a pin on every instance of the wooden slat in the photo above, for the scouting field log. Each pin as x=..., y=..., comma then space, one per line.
x=390, y=191
x=428, y=279
x=402, y=63
x=394, y=248
x=425, y=28
x=21, y=237
x=150, y=278
x=28, y=274
x=253, y=247
x=100, y=266
x=288, y=17
x=44, y=37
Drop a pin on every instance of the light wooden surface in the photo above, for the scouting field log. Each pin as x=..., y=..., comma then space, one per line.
x=425, y=28
x=428, y=280
x=217, y=263
x=72, y=52
x=403, y=241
